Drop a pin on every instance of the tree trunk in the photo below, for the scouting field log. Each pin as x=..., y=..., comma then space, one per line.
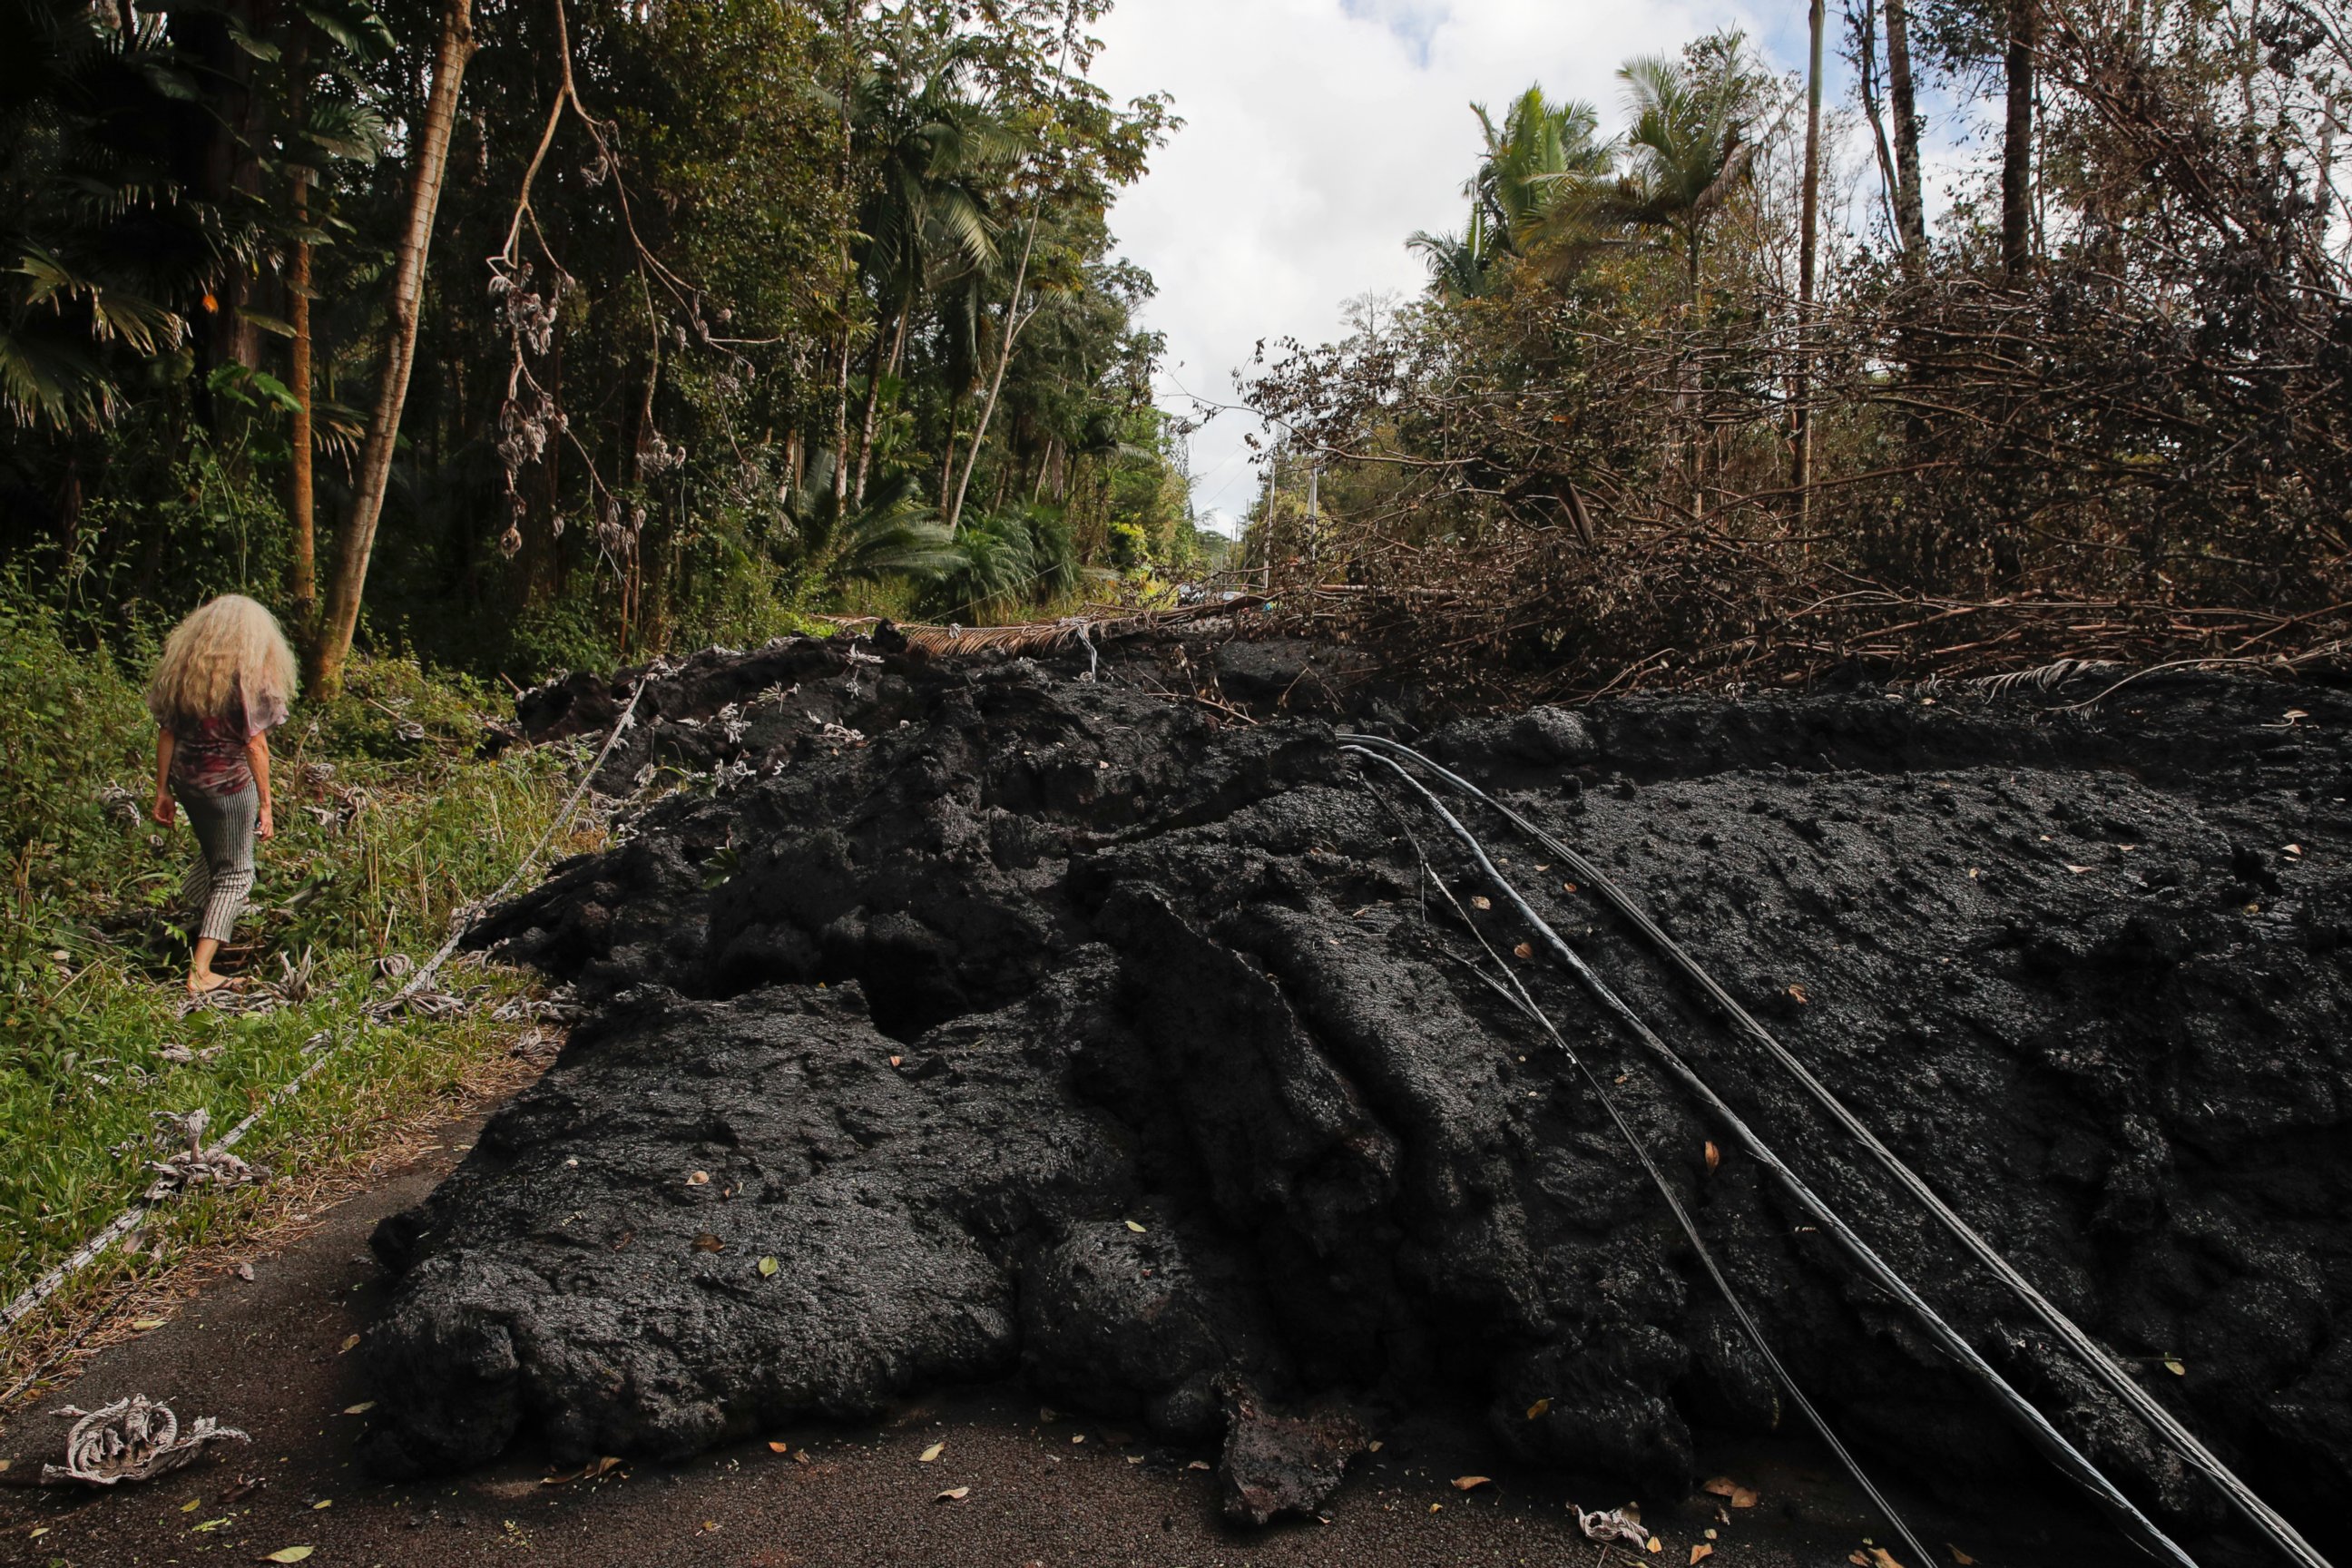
x=1686, y=395
x=302, y=584
x=848, y=278
x=1910, y=206
x=2017, y=142
x=1014, y=319
x=1808, y=259
x=333, y=644
x=841, y=415
x=1865, y=27
x=887, y=346
x=948, y=466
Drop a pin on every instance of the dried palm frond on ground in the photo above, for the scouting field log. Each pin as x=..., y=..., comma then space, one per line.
x=1094, y=625
x=195, y=1165
x=132, y=1439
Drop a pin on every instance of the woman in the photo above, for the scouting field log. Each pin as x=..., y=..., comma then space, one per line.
x=223, y=684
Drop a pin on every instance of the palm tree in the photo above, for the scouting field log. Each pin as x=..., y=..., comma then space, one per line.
x=925, y=218
x=895, y=533
x=1541, y=150
x=1533, y=167
x=104, y=266
x=1010, y=559
x=1457, y=262
x=1688, y=148
x=1688, y=152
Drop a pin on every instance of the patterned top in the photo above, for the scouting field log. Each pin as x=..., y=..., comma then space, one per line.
x=208, y=754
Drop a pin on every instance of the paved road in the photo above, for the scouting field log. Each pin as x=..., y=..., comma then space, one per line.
x=266, y=1355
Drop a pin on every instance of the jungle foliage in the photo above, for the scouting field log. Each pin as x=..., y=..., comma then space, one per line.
x=733, y=312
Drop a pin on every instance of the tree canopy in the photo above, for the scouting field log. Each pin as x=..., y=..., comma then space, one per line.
x=732, y=312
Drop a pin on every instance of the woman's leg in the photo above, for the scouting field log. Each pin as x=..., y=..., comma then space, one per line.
x=223, y=828
x=196, y=891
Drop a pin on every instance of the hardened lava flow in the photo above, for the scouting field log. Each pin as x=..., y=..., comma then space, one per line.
x=960, y=1019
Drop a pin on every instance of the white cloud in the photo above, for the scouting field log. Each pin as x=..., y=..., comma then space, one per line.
x=1318, y=134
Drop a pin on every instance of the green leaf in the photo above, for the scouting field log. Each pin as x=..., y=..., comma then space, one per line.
x=353, y=24
x=259, y=49
x=768, y=1266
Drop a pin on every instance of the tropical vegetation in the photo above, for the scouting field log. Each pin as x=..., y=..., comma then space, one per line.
x=786, y=309
x=1704, y=390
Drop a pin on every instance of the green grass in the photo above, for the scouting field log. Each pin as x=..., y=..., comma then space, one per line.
x=90, y=966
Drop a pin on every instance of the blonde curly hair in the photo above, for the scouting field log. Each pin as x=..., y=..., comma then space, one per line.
x=229, y=647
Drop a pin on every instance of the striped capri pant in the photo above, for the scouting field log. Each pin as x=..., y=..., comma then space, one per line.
x=222, y=877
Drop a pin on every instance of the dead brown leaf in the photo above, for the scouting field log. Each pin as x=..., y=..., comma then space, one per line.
x=1714, y=1156
x=707, y=1242
x=780, y=1447
x=699, y=1178
x=1481, y=902
x=1960, y=1557
x=1539, y=1407
x=587, y=1472
x=1701, y=1552
x=954, y=1494
x=1471, y=1483
x=1525, y=949
x=1798, y=992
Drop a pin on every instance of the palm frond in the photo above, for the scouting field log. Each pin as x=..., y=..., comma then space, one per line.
x=54, y=379
x=116, y=314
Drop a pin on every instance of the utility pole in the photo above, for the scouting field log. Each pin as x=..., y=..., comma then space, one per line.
x=1808, y=258
x=1314, y=513
x=1266, y=531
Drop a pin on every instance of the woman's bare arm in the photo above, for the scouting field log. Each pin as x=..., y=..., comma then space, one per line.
x=166, y=810
x=257, y=754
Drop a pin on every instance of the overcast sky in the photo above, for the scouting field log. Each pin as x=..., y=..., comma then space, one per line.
x=1319, y=134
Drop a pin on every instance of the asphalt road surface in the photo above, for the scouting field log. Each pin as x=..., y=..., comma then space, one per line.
x=1027, y=1492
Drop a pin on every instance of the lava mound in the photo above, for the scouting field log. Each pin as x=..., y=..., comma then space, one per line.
x=964, y=1020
